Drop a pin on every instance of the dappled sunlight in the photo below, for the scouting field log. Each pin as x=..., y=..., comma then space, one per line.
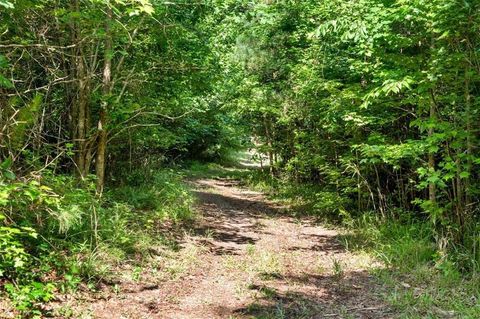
x=239, y=159
x=299, y=269
x=317, y=296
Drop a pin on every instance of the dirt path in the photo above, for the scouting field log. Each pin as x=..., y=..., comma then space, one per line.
x=245, y=259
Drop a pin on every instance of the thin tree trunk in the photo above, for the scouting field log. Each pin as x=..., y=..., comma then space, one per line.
x=80, y=101
x=106, y=88
x=431, y=155
x=468, y=116
x=82, y=123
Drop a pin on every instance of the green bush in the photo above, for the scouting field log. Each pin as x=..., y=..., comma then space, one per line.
x=28, y=298
x=163, y=195
x=55, y=228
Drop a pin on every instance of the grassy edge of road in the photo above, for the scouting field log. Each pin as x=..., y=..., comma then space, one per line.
x=421, y=281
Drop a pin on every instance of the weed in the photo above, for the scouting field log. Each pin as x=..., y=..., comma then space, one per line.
x=280, y=312
x=209, y=233
x=250, y=250
x=137, y=274
x=178, y=264
x=65, y=312
x=269, y=293
x=116, y=289
x=270, y=275
x=338, y=269
x=432, y=283
x=320, y=268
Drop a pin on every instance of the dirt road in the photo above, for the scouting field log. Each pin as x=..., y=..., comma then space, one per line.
x=246, y=259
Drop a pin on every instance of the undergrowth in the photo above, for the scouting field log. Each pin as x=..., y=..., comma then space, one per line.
x=423, y=281
x=56, y=233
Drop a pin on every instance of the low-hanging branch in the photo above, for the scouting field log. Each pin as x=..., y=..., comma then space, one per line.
x=138, y=114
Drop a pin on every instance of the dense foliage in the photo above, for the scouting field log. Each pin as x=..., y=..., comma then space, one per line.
x=93, y=91
x=371, y=103
x=375, y=101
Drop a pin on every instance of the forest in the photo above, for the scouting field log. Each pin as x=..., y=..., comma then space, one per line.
x=239, y=159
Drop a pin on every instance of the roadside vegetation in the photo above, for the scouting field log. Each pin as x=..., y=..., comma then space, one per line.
x=421, y=281
x=66, y=238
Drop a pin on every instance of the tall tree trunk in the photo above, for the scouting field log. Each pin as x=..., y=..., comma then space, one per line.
x=80, y=107
x=107, y=89
x=83, y=126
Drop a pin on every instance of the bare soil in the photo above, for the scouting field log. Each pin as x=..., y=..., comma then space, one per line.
x=245, y=258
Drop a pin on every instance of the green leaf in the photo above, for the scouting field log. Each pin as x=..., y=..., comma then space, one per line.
x=6, y=83
x=18, y=262
x=3, y=62
x=6, y=164
x=464, y=175
x=6, y=4
x=9, y=174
